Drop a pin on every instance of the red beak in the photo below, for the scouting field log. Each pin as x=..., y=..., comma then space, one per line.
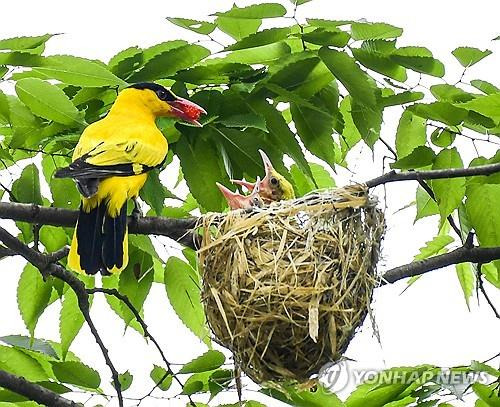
x=186, y=110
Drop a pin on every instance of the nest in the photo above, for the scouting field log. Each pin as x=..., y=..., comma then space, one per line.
x=285, y=287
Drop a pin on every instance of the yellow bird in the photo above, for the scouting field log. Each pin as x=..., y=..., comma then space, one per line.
x=110, y=165
x=274, y=186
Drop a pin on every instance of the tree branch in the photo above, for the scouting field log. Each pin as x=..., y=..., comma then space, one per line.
x=463, y=254
x=33, y=391
x=394, y=176
x=176, y=229
x=42, y=262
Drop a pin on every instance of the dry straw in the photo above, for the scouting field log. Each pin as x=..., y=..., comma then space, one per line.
x=285, y=287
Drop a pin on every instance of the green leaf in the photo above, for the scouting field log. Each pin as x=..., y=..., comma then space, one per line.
x=468, y=56
x=491, y=273
x=297, y=3
x=401, y=98
x=153, y=192
x=26, y=188
x=260, y=38
x=161, y=378
x=484, y=86
x=220, y=73
x=33, y=295
x=267, y=10
x=449, y=192
x=488, y=106
x=182, y=283
x=350, y=74
x=440, y=111
x=169, y=62
x=125, y=380
x=302, y=183
x=210, y=360
x=64, y=193
x=4, y=107
x=321, y=176
x=202, y=158
x=32, y=344
x=373, y=31
x=433, y=247
x=321, y=36
x=487, y=394
x=482, y=208
x=419, y=157
x=350, y=135
x=257, y=55
x=25, y=124
x=24, y=43
x=450, y=93
x=467, y=279
x=47, y=101
x=53, y=238
x=70, y=321
x=320, y=397
x=238, y=28
x=124, y=63
x=442, y=138
x=368, y=120
x=315, y=130
x=76, y=373
x=19, y=363
x=78, y=71
x=379, y=62
x=411, y=133
x=418, y=59
x=200, y=27
x=245, y=120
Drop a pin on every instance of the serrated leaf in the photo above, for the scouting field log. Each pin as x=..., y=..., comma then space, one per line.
x=182, y=283
x=125, y=380
x=33, y=295
x=258, y=55
x=418, y=59
x=267, y=10
x=260, y=38
x=368, y=121
x=238, y=28
x=345, y=69
x=491, y=273
x=488, y=106
x=32, y=344
x=220, y=73
x=440, y=111
x=200, y=27
x=320, y=397
x=449, y=192
x=161, y=378
x=419, y=157
x=401, y=98
x=70, y=321
x=380, y=62
x=26, y=188
x=153, y=192
x=321, y=36
x=442, y=138
x=373, y=31
x=467, y=279
x=4, y=108
x=24, y=123
x=78, y=71
x=24, y=43
x=19, y=363
x=411, y=133
x=76, y=373
x=52, y=237
x=245, y=120
x=321, y=176
x=210, y=360
x=47, y=101
x=482, y=203
x=468, y=56
x=169, y=62
x=302, y=183
x=350, y=135
x=124, y=62
x=434, y=246
x=450, y=93
x=484, y=86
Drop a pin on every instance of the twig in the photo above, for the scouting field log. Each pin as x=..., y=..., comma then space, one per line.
x=115, y=293
x=394, y=176
x=483, y=290
x=463, y=254
x=33, y=391
x=176, y=229
x=51, y=269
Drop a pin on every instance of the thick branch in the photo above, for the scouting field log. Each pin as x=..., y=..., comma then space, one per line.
x=461, y=255
x=42, y=262
x=176, y=229
x=394, y=176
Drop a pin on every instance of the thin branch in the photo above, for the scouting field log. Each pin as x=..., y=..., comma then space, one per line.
x=47, y=269
x=115, y=293
x=33, y=391
x=463, y=254
x=176, y=229
x=483, y=290
x=394, y=176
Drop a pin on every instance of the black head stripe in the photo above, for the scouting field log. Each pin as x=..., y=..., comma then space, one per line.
x=162, y=92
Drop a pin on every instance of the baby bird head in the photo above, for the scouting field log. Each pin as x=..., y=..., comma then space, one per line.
x=238, y=201
x=274, y=186
x=163, y=102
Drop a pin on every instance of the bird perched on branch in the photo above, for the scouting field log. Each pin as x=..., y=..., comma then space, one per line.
x=273, y=187
x=110, y=165
x=238, y=201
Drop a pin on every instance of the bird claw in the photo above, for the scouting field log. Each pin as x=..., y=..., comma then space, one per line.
x=137, y=211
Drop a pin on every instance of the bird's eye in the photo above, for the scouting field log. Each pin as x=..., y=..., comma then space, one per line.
x=273, y=181
x=162, y=95
x=256, y=201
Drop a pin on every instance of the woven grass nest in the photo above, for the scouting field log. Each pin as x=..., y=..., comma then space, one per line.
x=286, y=286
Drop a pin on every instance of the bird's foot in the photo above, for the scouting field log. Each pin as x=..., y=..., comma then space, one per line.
x=137, y=211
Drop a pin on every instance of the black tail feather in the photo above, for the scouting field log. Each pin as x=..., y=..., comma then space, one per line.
x=114, y=230
x=90, y=239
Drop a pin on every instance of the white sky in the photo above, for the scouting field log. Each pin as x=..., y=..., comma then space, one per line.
x=429, y=323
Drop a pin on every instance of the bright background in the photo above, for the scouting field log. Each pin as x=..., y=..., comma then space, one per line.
x=428, y=323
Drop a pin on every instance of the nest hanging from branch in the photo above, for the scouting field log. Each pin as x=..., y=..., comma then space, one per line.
x=285, y=287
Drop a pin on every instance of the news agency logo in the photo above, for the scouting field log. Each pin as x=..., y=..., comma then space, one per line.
x=338, y=376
